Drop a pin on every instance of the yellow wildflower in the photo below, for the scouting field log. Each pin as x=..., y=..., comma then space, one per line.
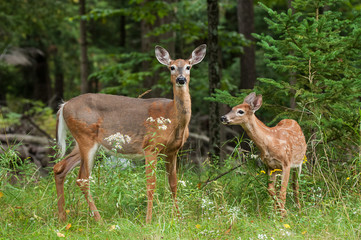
x=286, y=225
x=275, y=170
x=198, y=226
x=304, y=159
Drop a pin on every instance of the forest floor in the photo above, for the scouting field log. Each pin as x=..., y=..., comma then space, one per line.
x=235, y=206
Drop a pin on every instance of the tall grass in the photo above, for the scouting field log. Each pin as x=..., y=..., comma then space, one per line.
x=236, y=206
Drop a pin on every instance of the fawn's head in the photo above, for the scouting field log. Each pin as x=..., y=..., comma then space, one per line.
x=180, y=68
x=240, y=114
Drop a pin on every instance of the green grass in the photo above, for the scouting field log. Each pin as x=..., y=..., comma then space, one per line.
x=234, y=207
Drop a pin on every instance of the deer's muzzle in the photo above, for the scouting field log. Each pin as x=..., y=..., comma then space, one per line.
x=224, y=120
x=180, y=81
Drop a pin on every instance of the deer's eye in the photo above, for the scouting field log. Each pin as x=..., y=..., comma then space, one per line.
x=240, y=112
x=188, y=67
x=172, y=68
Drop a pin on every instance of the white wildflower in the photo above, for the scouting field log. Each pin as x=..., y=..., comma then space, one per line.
x=127, y=138
x=117, y=140
x=163, y=127
x=159, y=121
x=150, y=119
x=262, y=236
x=81, y=180
x=182, y=182
x=285, y=233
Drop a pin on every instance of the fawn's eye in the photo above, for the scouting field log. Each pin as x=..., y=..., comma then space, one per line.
x=172, y=68
x=240, y=112
x=188, y=67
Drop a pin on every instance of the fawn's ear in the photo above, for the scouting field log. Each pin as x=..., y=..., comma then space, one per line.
x=257, y=103
x=254, y=101
x=198, y=54
x=162, y=55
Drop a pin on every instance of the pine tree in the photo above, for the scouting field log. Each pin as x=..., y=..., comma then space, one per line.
x=325, y=60
x=321, y=48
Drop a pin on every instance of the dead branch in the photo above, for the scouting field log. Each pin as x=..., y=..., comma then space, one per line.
x=219, y=176
x=10, y=138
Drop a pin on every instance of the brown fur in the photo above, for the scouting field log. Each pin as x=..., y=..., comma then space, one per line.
x=91, y=118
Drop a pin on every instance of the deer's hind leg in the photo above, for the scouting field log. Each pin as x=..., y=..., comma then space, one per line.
x=87, y=152
x=296, y=188
x=61, y=169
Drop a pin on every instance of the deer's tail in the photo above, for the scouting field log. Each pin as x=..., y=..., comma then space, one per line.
x=61, y=130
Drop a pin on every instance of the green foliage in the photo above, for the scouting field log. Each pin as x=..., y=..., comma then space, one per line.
x=315, y=53
x=234, y=206
x=123, y=77
x=19, y=108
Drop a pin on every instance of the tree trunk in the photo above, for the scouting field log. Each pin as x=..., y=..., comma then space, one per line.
x=83, y=50
x=42, y=86
x=292, y=74
x=122, y=31
x=245, y=16
x=59, y=80
x=213, y=76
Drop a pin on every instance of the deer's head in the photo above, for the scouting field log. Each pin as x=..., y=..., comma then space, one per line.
x=180, y=68
x=241, y=114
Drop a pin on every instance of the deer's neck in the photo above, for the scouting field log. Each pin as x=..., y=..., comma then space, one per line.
x=258, y=132
x=182, y=106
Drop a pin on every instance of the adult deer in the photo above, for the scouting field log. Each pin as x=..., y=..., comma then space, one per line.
x=282, y=147
x=94, y=119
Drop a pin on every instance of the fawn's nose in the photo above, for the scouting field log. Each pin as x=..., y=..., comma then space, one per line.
x=181, y=80
x=224, y=120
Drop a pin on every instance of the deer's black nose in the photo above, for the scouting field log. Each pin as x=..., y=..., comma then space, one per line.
x=181, y=80
x=224, y=119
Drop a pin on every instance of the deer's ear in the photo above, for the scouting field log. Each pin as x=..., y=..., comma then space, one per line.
x=257, y=103
x=249, y=99
x=198, y=54
x=162, y=55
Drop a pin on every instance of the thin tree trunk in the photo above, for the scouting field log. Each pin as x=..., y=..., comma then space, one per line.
x=122, y=31
x=245, y=16
x=83, y=50
x=213, y=76
x=293, y=80
x=42, y=90
x=59, y=80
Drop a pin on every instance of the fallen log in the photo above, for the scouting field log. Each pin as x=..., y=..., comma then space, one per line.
x=23, y=138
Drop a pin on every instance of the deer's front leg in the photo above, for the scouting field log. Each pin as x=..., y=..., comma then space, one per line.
x=271, y=187
x=150, y=168
x=171, y=166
